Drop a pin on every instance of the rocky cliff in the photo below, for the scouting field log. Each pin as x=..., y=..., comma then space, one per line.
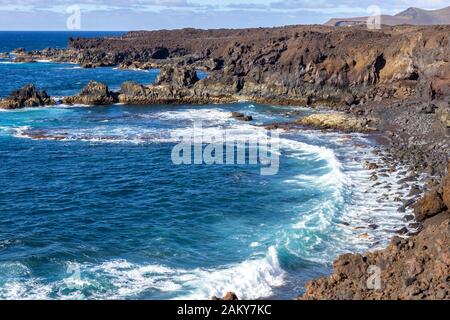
x=309, y=64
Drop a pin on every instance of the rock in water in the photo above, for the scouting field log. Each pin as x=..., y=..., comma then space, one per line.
x=241, y=116
x=229, y=296
x=27, y=96
x=95, y=93
x=132, y=92
x=337, y=121
x=24, y=59
x=177, y=77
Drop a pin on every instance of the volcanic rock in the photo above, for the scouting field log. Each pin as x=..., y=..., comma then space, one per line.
x=24, y=59
x=177, y=77
x=241, y=116
x=414, y=268
x=443, y=114
x=336, y=121
x=27, y=96
x=94, y=93
x=430, y=205
x=132, y=92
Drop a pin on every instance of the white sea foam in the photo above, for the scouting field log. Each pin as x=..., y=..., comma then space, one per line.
x=250, y=279
x=212, y=114
x=69, y=68
x=119, y=279
x=368, y=202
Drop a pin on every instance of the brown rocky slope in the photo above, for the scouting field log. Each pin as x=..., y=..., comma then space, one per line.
x=307, y=64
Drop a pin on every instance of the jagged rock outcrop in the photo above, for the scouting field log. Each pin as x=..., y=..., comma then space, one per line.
x=133, y=93
x=177, y=77
x=27, y=96
x=94, y=93
x=175, y=85
x=409, y=268
x=430, y=205
x=338, y=122
x=241, y=116
x=414, y=268
x=24, y=59
x=312, y=65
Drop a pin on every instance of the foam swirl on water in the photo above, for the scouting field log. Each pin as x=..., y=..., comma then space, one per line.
x=120, y=279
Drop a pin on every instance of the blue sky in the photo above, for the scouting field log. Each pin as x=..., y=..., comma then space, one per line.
x=170, y=14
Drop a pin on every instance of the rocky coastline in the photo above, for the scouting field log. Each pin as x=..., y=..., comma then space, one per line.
x=394, y=82
x=417, y=267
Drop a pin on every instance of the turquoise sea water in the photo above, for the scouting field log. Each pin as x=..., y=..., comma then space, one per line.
x=92, y=207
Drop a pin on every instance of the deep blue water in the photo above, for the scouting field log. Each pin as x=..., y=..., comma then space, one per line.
x=92, y=207
x=38, y=40
x=60, y=79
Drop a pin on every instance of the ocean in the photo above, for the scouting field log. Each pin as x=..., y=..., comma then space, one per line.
x=92, y=206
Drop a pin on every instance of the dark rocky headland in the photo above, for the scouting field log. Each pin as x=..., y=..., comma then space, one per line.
x=394, y=82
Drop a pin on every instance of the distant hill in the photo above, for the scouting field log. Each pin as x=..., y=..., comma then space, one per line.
x=412, y=16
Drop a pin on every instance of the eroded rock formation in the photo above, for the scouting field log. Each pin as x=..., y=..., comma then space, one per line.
x=94, y=93
x=177, y=77
x=340, y=122
x=27, y=96
x=295, y=64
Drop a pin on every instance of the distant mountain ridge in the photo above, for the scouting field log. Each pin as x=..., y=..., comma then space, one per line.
x=412, y=16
